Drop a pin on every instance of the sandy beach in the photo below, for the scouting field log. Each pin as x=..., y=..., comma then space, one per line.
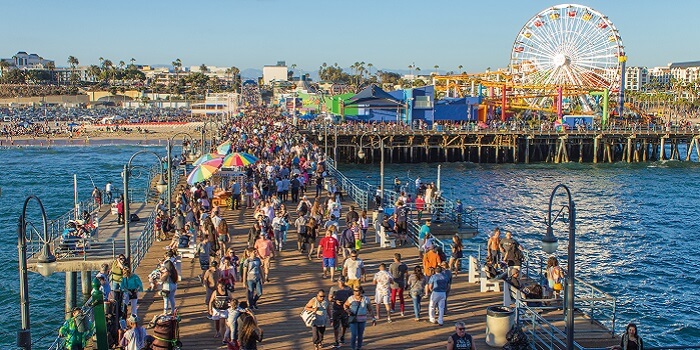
x=152, y=134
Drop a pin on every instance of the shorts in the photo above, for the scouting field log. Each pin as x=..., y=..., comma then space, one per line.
x=328, y=262
x=352, y=283
x=381, y=297
x=217, y=314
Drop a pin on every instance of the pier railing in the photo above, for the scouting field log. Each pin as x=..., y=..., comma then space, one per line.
x=59, y=342
x=359, y=194
x=596, y=305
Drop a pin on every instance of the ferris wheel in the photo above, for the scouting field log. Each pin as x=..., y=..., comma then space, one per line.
x=568, y=45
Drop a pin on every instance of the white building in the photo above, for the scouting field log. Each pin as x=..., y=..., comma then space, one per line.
x=277, y=72
x=685, y=71
x=217, y=104
x=636, y=78
x=23, y=60
x=660, y=75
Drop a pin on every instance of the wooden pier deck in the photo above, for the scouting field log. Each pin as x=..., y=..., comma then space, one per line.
x=295, y=280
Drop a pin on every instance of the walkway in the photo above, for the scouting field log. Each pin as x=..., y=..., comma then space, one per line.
x=295, y=279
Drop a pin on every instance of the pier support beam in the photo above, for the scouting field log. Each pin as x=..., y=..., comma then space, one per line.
x=527, y=150
x=629, y=149
x=86, y=282
x=662, y=149
x=71, y=287
x=596, y=140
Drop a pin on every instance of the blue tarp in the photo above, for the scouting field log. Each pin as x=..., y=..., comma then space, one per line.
x=457, y=109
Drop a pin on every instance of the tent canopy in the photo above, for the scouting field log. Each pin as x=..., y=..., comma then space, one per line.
x=373, y=97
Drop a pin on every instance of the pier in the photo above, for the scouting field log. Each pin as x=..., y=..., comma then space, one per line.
x=469, y=143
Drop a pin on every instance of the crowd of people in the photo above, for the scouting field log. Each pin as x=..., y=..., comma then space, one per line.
x=289, y=189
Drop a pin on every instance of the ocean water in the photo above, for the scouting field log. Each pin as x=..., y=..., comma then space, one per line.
x=636, y=228
x=48, y=174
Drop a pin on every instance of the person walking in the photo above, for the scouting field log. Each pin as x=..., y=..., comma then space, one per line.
x=319, y=306
x=456, y=255
x=328, y=246
x=249, y=333
x=399, y=274
x=218, y=306
x=337, y=296
x=382, y=280
x=460, y=340
x=416, y=286
x=108, y=191
x=353, y=269
x=235, y=195
x=358, y=307
x=266, y=252
x=210, y=279
x=252, y=275
x=631, y=339
x=97, y=197
x=437, y=286
x=431, y=259
x=169, y=278
x=131, y=285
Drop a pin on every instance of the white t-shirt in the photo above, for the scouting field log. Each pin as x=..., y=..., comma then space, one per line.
x=354, y=268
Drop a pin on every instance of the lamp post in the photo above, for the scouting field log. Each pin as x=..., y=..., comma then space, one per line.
x=549, y=245
x=46, y=264
x=361, y=155
x=161, y=187
x=170, y=171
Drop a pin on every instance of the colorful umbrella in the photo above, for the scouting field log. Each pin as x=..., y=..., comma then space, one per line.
x=204, y=171
x=207, y=157
x=239, y=159
x=224, y=148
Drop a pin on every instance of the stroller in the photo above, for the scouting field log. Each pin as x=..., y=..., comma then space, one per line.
x=166, y=331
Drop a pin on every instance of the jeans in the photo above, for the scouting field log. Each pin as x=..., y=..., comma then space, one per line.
x=357, y=331
x=317, y=336
x=416, y=297
x=279, y=239
x=169, y=301
x=437, y=299
x=235, y=201
x=254, y=291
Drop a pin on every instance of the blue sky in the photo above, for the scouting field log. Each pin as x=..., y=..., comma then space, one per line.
x=387, y=33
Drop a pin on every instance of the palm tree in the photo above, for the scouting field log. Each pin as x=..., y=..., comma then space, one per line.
x=73, y=62
x=177, y=64
x=436, y=68
x=132, y=61
x=203, y=68
x=369, y=66
x=51, y=67
x=460, y=68
x=3, y=66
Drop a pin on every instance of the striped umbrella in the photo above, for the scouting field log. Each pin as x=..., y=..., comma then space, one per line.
x=224, y=148
x=239, y=159
x=207, y=157
x=204, y=171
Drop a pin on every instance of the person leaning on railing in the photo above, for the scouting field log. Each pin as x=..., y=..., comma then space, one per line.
x=76, y=330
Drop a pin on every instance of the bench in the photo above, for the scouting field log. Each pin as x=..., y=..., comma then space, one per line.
x=478, y=275
x=384, y=239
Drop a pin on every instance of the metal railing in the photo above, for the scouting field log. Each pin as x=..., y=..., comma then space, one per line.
x=360, y=195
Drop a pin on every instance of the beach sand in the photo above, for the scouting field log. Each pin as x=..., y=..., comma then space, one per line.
x=157, y=134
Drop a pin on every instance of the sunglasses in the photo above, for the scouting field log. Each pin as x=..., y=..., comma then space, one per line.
x=461, y=329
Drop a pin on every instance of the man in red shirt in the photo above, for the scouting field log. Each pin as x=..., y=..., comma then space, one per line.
x=266, y=251
x=329, y=246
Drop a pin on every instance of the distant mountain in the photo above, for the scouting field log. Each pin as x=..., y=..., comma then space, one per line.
x=251, y=73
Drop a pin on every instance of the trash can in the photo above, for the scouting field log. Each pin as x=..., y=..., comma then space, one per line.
x=499, y=320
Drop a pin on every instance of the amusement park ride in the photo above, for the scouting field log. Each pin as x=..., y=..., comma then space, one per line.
x=566, y=59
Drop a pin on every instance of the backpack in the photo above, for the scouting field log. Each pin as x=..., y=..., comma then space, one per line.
x=253, y=269
x=348, y=238
x=302, y=227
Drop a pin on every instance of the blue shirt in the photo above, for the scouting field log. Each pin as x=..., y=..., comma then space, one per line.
x=424, y=230
x=438, y=282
